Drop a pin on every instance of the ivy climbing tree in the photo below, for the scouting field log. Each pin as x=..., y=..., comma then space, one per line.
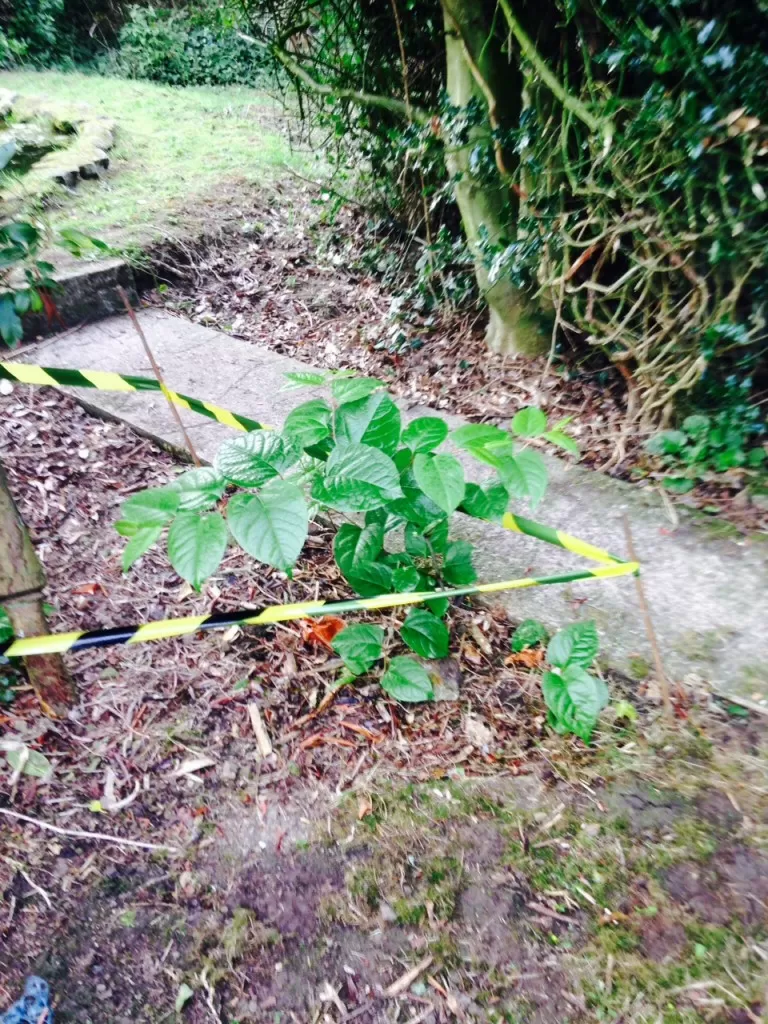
x=607, y=159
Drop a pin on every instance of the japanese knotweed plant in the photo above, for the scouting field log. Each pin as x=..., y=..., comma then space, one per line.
x=350, y=457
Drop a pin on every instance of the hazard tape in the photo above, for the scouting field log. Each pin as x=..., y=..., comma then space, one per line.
x=160, y=629
x=55, y=376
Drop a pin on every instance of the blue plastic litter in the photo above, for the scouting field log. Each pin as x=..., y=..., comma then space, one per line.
x=34, y=1007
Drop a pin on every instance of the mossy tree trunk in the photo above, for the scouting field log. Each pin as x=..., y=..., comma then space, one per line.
x=479, y=70
x=21, y=582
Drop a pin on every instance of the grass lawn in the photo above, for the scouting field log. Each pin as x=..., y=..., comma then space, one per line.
x=185, y=160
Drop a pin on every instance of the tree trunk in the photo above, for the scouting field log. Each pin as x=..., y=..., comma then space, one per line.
x=21, y=582
x=477, y=69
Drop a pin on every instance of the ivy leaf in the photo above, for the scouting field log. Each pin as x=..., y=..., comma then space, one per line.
x=457, y=564
x=425, y=433
x=441, y=478
x=407, y=681
x=198, y=488
x=353, y=545
x=485, y=503
x=350, y=389
x=577, y=644
x=359, y=646
x=373, y=420
x=303, y=379
x=425, y=634
x=271, y=525
x=254, y=458
x=196, y=545
x=533, y=471
x=357, y=478
x=153, y=507
x=309, y=424
x=529, y=633
x=529, y=422
x=142, y=539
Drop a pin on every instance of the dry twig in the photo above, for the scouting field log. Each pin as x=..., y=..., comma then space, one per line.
x=77, y=833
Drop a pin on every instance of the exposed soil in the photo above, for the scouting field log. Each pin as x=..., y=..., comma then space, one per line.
x=308, y=288
x=526, y=877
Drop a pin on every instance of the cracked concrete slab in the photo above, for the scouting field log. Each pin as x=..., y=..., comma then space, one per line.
x=706, y=584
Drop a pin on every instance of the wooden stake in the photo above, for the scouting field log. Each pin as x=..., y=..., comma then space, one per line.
x=650, y=632
x=21, y=582
x=156, y=370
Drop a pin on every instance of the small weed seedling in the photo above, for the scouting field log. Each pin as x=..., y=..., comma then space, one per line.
x=573, y=696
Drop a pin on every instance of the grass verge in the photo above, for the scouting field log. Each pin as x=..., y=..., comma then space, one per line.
x=185, y=160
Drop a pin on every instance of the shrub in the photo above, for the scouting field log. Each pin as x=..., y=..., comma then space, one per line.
x=28, y=30
x=346, y=456
x=183, y=47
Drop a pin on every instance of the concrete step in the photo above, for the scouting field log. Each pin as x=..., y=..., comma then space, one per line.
x=705, y=583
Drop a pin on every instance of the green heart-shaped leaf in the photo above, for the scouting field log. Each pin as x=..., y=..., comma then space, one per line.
x=425, y=634
x=271, y=525
x=425, y=433
x=196, y=545
x=359, y=646
x=441, y=478
x=407, y=681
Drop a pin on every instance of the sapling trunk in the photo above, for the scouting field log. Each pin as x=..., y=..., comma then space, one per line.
x=21, y=582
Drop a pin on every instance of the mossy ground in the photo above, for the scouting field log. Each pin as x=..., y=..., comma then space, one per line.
x=626, y=883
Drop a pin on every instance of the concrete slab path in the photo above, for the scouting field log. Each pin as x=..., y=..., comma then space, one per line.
x=708, y=593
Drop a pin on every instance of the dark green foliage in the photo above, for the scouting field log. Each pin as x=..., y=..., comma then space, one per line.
x=659, y=221
x=195, y=45
x=707, y=444
x=645, y=189
x=28, y=30
x=21, y=245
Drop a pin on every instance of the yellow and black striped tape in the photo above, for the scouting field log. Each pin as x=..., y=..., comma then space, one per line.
x=25, y=373
x=161, y=629
x=103, y=380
